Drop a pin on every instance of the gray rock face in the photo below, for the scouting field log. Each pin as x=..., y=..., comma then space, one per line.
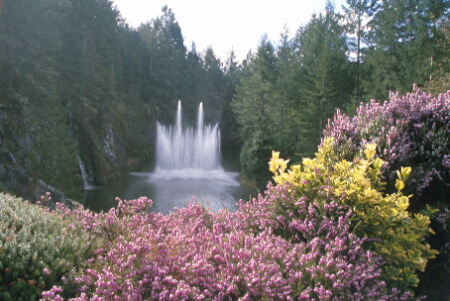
x=14, y=177
x=11, y=158
x=38, y=188
x=108, y=145
x=29, y=152
x=18, y=181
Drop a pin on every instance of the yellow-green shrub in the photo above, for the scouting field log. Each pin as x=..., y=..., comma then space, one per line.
x=394, y=233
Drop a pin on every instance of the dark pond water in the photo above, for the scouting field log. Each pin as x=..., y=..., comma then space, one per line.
x=216, y=189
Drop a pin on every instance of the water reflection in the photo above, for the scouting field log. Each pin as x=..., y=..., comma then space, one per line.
x=215, y=189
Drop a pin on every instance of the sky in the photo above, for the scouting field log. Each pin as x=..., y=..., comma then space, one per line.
x=227, y=24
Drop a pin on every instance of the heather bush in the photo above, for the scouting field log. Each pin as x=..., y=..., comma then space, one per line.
x=392, y=232
x=410, y=130
x=38, y=249
x=195, y=254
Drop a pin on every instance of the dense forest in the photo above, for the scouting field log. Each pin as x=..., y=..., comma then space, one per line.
x=76, y=80
x=287, y=93
x=80, y=87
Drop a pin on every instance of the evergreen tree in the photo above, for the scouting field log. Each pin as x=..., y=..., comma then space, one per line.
x=167, y=64
x=214, y=79
x=402, y=44
x=440, y=78
x=288, y=125
x=326, y=80
x=356, y=15
x=253, y=106
x=229, y=128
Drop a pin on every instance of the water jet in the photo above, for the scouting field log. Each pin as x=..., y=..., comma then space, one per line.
x=189, y=153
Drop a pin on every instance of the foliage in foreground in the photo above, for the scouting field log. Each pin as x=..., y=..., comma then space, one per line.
x=195, y=254
x=302, y=240
x=409, y=130
x=315, y=235
x=394, y=233
x=38, y=249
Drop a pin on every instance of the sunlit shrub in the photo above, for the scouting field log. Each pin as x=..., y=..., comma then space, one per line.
x=37, y=249
x=409, y=130
x=392, y=232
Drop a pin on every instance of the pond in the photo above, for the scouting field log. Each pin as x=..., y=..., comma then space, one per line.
x=188, y=166
x=216, y=189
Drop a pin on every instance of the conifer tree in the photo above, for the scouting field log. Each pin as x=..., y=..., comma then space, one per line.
x=229, y=129
x=214, y=79
x=356, y=15
x=402, y=44
x=255, y=110
x=326, y=82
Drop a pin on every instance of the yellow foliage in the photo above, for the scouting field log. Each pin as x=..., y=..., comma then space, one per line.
x=370, y=150
x=399, y=184
x=277, y=165
x=396, y=234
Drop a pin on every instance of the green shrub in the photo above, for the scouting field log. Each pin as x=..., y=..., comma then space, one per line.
x=409, y=130
x=394, y=233
x=37, y=249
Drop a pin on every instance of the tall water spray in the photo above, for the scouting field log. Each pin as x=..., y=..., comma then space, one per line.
x=178, y=149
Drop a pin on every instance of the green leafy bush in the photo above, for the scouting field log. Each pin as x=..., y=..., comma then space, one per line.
x=409, y=130
x=38, y=249
x=394, y=233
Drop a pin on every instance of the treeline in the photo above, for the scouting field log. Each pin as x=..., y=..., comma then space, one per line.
x=76, y=79
x=287, y=92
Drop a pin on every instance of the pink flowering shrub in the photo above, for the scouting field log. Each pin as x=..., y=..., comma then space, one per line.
x=409, y=130
x=195, y=254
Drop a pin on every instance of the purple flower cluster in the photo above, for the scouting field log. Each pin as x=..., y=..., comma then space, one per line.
x=53, y=294
x=409, y=130
x=195, y=254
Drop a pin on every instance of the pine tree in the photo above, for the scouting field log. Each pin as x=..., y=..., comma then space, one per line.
x=402, y=44
x=255, y=108
x=167, y=66
x=356, y=16
x=325, y=72
x=214, y=79
x=229, y=128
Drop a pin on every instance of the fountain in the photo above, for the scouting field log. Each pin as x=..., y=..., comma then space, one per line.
x=189, y=153
x=190, y=148
x=188, y=166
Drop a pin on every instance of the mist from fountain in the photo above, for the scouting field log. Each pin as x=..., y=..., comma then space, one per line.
x=189, y=153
